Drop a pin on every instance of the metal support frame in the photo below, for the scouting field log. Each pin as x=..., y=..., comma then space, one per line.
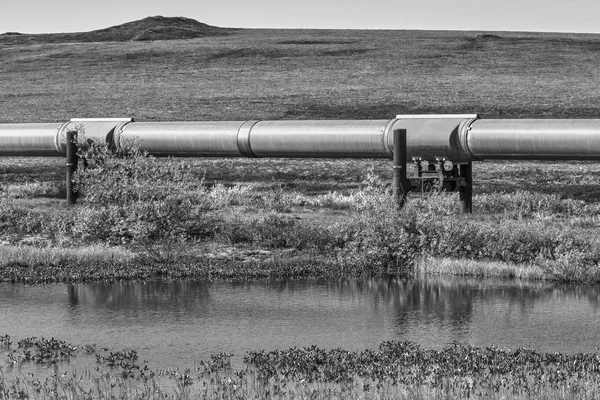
x=71, y=166
x=401, y=184
x=465, y=191
x=434, y=177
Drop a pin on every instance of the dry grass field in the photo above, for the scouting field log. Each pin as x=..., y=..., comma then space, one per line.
x=305, y=74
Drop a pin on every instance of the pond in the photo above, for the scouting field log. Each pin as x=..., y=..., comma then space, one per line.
x=177, y=324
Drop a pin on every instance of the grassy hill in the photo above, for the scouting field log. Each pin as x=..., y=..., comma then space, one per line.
x=211, y=73
x=151, y=28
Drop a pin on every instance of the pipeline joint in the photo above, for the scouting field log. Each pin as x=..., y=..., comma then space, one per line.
x=243, y=139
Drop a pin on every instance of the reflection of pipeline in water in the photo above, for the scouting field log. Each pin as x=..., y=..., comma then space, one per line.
x=459, y=139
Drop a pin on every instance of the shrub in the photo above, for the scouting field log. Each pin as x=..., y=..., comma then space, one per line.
x=383, y=238
x=526, y=204
x=134, y=198
x=20, y=219
x=33, y=189
x=280, y=231
x=380, y=237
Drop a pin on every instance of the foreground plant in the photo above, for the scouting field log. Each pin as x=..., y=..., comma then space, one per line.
x=394, y=370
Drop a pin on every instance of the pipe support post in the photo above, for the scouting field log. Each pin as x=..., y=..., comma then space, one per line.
x=401, y=184
x=71, y=166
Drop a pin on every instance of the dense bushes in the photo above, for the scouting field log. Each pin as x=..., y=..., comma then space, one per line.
x=281, y=231
x=383, y=238
x=19, y=220
x=134, y=199
x=161, y=208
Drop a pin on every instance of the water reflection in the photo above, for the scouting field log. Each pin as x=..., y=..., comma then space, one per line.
x=179, y=323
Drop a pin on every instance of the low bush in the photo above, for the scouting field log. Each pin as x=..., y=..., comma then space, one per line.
x=134, y=198
x=160, y=207
x=534, y=205
x=382, y=238
x=281, y=231
x=142, y=221
x=33, y=189
x=22, y=220
x=398, y=370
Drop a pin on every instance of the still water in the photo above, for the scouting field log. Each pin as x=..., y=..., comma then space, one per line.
x=177, y=324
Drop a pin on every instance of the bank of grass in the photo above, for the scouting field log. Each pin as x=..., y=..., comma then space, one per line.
x=427, y=265
x=95, y=254
x=394, y=370
x=145, y=218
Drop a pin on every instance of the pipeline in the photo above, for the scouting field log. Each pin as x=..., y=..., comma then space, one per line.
x=459, y=139
x=431, y=140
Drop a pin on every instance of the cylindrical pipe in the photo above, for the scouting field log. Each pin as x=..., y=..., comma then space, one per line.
x=427, y=138
x=185, y=139
x=101, y=130
x=71, y=165
x=29, y=139
x=455, y=138
x=535, y=139
x=434, y=138
x=321, y=138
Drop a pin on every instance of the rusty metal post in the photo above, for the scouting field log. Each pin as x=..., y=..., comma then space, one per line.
x=400, y=184
x=71, y=166
x=465, y=192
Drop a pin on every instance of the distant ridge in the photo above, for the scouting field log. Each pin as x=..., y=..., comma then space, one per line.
x=150, y=28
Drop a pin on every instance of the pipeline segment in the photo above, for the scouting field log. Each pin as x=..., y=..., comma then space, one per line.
x=534, y=139
x=431, y=138
x=30, y=139
x=428, y=138
x=50, y=139
x=460, y=139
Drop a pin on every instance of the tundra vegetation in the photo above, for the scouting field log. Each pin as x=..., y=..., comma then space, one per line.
x=143, y=218
x=399, y=370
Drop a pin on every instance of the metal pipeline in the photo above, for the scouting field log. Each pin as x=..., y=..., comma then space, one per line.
x=428, y=138
x=456, y=138
x=30, y=139
x=50, y=139
x=534, y=139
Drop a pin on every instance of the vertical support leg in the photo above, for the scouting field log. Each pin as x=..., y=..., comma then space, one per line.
x=465, y=193
x=71, y=166
x=400, y=184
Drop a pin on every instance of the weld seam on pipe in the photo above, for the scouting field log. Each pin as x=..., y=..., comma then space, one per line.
x=116, y=138
x=243, y=139
x=385, y=136
x=463, y=138
x=57, y=141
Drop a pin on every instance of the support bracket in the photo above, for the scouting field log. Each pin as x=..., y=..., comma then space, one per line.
x=436, y=176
